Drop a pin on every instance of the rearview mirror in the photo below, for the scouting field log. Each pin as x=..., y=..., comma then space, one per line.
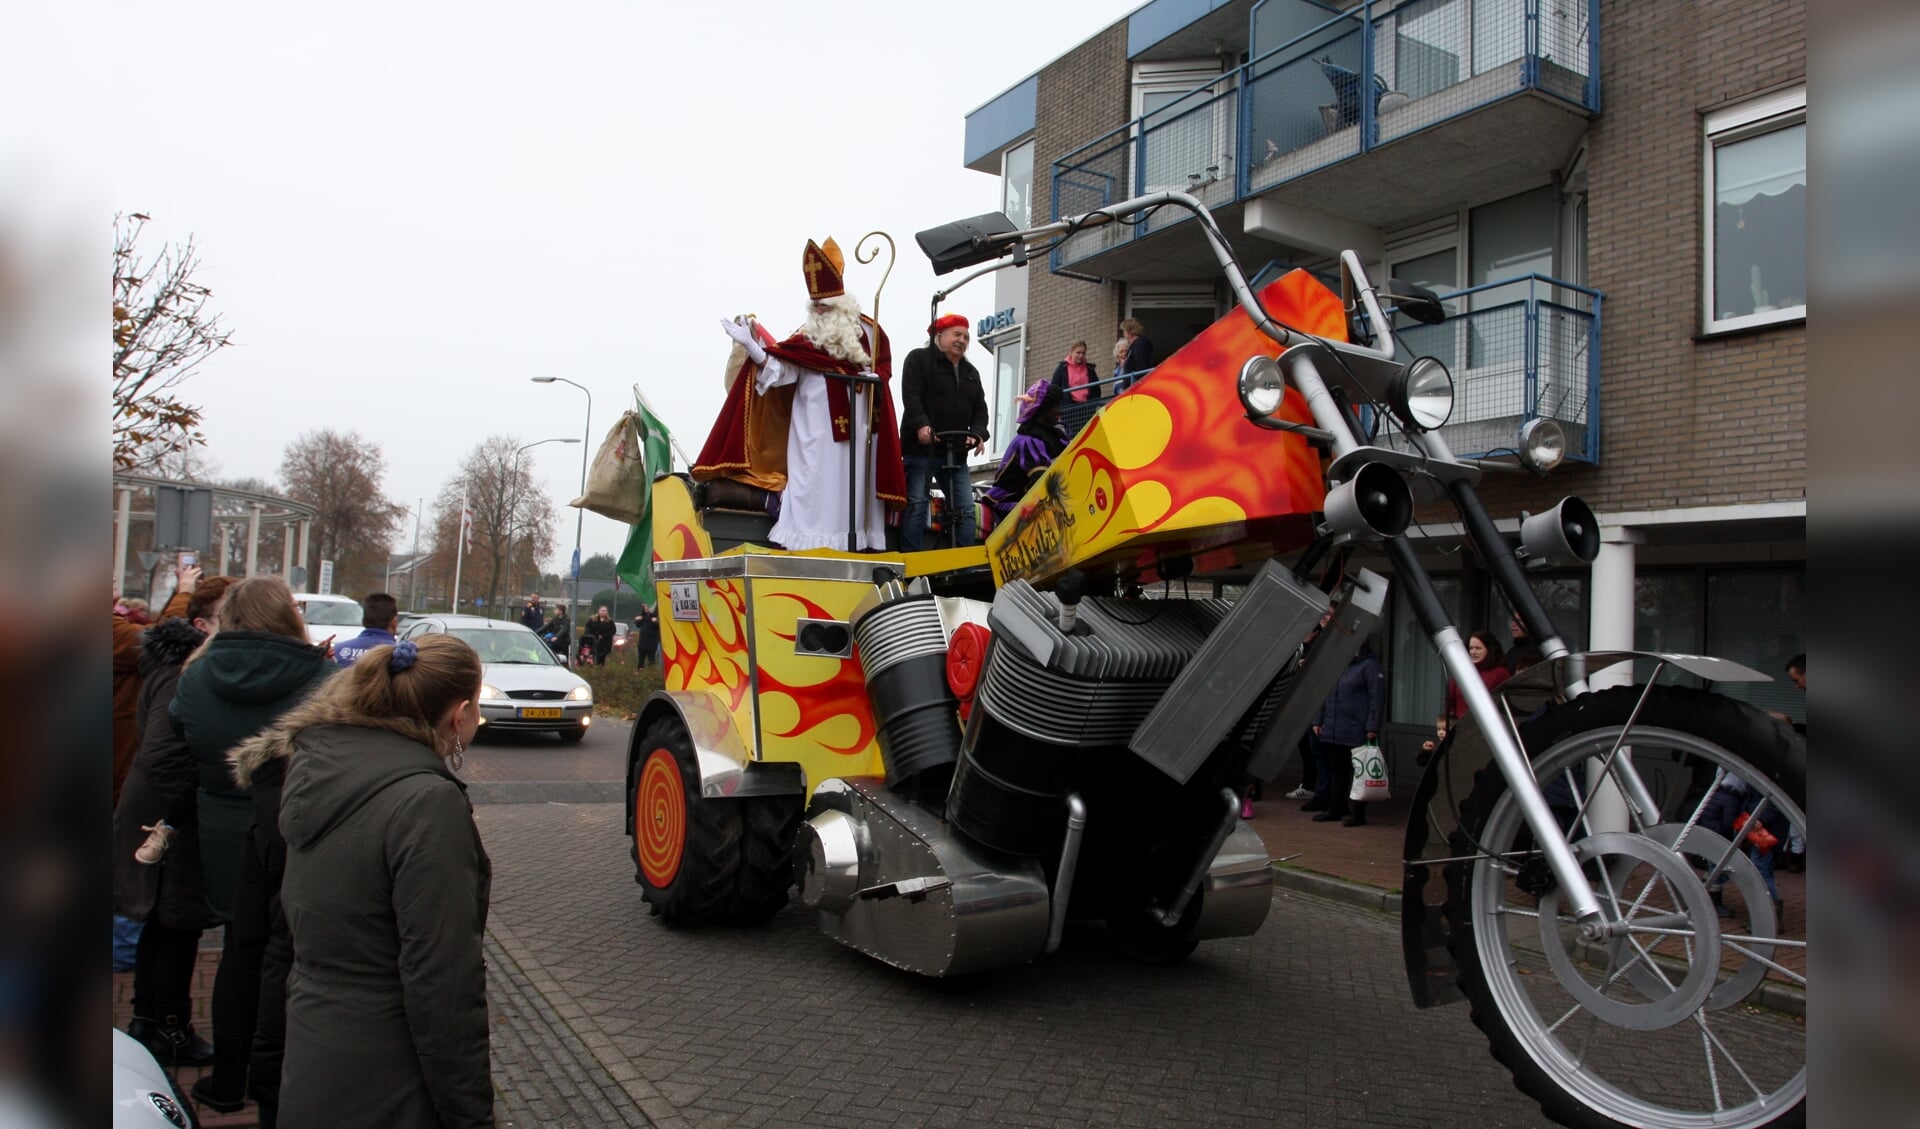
x=963, y=243
x=1415, y=301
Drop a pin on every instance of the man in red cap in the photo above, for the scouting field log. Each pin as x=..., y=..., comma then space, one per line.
x=942, y=392
x=823, y=416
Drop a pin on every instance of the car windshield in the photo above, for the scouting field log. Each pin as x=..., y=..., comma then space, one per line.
x=501, y=645
x=332, y=613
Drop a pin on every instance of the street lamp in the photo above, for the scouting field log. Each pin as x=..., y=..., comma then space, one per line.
x=510, y=505
x=579, y=523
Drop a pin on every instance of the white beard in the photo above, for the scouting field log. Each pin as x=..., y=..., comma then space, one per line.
x=837, y=330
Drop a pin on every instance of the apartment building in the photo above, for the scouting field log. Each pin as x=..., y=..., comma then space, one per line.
x=1609, y=195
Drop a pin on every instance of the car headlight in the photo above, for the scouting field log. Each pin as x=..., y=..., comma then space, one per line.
x=1543, y=444
x=487, y=692
x=1262, y=390
x=1422, y=394
x=580, y=694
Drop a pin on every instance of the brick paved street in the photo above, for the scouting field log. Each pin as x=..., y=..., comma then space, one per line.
x=1305, y=1024
x=602, y=1017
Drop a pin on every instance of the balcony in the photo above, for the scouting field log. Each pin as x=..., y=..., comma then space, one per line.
x=1518, y=349
x=1383, y=113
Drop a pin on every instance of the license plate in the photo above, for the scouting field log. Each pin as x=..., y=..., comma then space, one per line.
x=539, y=711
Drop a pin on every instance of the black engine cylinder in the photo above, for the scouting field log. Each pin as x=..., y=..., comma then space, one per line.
x=903, y=652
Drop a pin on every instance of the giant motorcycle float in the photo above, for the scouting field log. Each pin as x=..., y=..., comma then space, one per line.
x=956, y=751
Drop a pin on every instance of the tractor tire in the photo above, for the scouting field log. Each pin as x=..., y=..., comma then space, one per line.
x=686, y=848
x=1637, y=1047
x=770, y=824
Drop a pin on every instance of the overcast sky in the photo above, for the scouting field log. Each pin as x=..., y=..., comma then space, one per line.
x=408, y=210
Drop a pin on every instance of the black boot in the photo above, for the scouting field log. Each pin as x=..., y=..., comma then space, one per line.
x=172, y=1042
x=1719, y=903
x=210, y=1093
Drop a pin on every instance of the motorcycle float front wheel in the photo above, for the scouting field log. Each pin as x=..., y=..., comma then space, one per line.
x=1674, y=1018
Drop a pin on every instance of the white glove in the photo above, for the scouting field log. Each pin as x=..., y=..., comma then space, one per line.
x=743, y=333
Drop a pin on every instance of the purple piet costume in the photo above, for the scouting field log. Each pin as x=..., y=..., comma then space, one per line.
x=1037, y=443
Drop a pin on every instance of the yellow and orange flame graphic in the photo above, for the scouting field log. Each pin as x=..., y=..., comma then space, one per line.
x=1172, y=468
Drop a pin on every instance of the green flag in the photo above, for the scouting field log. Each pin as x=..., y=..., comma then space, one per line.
x=636, y=561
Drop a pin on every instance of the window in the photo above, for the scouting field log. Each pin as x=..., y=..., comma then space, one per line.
x=1009, y=365
x=1186, y=131
x=1016, y=185
x=1756, y=212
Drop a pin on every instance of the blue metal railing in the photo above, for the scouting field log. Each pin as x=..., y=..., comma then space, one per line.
x=1362, y=79
x=1519, y=348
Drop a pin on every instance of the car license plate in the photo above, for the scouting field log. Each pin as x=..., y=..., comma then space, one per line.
x=539, y=711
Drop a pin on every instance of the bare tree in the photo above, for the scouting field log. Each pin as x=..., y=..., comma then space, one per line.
x=507, y=508
x=162, y=331
x=339, y=475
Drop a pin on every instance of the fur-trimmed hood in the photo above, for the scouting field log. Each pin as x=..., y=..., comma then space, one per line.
x=276, y=742
x=168, y=643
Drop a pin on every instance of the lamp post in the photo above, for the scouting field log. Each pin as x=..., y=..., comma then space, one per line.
x=510, y=505
x=579, y=523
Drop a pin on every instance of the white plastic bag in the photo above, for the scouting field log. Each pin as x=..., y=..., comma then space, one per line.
x=1369, y=775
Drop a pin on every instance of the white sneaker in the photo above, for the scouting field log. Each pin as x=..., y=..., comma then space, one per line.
x=1300, y=794
x=155, y=847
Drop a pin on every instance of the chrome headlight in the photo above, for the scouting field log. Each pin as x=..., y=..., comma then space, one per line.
x=580, y=694
x=1543, y=444
x=488, y=692
x=1423, y=394
x=1262, y=389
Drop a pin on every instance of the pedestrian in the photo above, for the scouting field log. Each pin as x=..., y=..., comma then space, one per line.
x=1034, y=447
x=1491, y=662
x=600, y=635
x=1139, y=351
x=942, y=393
x=385, y=894
x=1119, y=365
x=531, y=616
x=254, y=668
x=558, y=632
x=1350, y=717
x=1309, y=747
x=130, y=620
x=1075, y=376
x=1522, y=651
x=156, y=842
x=646, y=631
x=380, y=623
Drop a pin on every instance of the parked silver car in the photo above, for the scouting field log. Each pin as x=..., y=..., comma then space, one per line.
x=525, y=687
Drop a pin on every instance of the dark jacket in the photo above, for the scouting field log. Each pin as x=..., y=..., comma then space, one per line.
x=1066, y=392
x=937, y=396
x=530, y=617
x=601, y=632
x=160, y=786
x=126, y=687
x=1139, y=357
x=349, y=652
x=1353, y=709
x=237, y=687
x=386, y=892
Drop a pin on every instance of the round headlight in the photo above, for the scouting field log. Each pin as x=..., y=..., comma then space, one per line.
x=1262, y=388
x=488, y=692
x=580, y=694
x=1423, y=396
x=1543, y=444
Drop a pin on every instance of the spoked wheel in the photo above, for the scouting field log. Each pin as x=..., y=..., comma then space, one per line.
x=686, y=848
x=1668, y=1019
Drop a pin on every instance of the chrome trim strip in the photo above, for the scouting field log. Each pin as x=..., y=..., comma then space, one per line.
x=779, y=566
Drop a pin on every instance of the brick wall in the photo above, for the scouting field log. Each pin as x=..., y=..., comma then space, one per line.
x=1082, y=95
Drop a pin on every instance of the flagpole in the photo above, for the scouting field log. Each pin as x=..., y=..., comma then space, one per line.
x=642, y=397
x=459, y=553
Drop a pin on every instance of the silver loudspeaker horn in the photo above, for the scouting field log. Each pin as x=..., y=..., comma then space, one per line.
x=1374, y=503
x=1566, y=534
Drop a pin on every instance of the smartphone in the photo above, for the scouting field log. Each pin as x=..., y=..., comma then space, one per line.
x=188, y=559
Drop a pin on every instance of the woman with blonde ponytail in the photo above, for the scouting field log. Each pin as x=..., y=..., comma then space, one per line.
x=385, y=894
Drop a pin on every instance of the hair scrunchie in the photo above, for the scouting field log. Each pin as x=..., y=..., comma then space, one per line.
x=405, y=654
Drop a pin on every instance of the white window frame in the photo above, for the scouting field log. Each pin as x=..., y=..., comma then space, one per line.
x=1179, y=77
x=1003, y=429
x=1005, y=159
x=1779, y=110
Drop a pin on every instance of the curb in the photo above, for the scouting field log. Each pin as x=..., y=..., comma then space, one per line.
x=1774, y=996
x=1336, y=889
